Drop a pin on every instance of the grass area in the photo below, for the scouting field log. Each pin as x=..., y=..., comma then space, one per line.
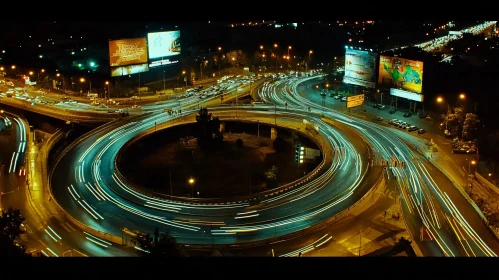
x=231, y=171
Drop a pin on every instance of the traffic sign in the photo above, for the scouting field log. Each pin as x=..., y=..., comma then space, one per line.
x=355, y=101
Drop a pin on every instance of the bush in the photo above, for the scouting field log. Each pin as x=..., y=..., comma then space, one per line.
x=239, y=143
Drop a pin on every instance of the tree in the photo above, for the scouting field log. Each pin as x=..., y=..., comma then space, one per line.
x=271, y=176
x=239, y=143
x=470, y=126
x=236, y=58
x=158, y=245
x=10, y=231
x=279, y=145
x=455, y=119
x=209, y=134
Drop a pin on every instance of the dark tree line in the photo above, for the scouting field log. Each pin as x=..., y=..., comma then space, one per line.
x=10, y=231
x=158, y=245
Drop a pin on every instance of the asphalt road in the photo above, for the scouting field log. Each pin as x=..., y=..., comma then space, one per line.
x=46, y=230
x=455, y=227
x=87, y=170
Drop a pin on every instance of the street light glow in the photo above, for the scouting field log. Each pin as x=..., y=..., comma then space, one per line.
x=1, y=68
x=13, y=67
x=82, y=80
x=219, y=48
x=462, y=96
x=261, y=47
x=473, y=162
x=58, y=74
x=183, y=72
x=310, y=52
x=43, y=70
x=191, y=181
x=275, y=45
x=289, y=47
x=440, y=99
x=30, y=73
x=107, y=83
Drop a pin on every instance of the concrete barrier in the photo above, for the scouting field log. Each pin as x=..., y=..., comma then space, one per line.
x=486, y=182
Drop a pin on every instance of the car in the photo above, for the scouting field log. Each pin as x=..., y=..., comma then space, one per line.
x=381, y=107
x=422, y=131
x=392, y=110
x=378, y=118
x=392, y=121
x=412, y=128
x=344, y=99
x=323, y=94
x=408, y=114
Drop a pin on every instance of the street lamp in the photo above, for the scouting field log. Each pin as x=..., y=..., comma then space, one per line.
x=13, y=67
x=1, y=68
x=31, y=73
x=191, y=182
x=289, y=48
x=185, y=79
x=58, y=74
x=219, y=60
x=441, y=100
x=82, y=80
x=462, y=96
x=107, y=84
x=472, y=162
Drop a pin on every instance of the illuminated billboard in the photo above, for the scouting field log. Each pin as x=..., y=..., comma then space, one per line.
x=360, y=68
x=129, y=70
x=355, y=101
x=401, y=73
x=127, y=52
x=406, y=94
x=163, y=44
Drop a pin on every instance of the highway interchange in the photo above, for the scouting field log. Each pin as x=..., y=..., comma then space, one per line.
x=85, y=184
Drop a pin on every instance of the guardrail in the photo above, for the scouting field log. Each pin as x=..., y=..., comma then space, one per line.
x=216, y=201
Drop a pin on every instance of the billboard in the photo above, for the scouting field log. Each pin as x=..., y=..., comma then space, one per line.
x=406, y=94
x=163, y=44
x=129, y=70
x=127, y=52
x=401, y=73
x=355, y=101
x=360, y=68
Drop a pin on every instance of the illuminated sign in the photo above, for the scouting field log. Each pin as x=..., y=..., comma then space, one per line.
x=401, y=73
x=360, y=67
x=406, y=94
x=355, y=101
x=127, y=52
x=129, y=70
x=163, y=44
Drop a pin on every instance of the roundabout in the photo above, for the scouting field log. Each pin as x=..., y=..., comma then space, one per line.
x=89, y=188
x=249, y=161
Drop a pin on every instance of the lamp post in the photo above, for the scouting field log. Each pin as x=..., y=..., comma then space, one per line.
x=38, y=76
x=310, y=52
x=82, y=80
x=441, y=100
x=276, y=57
x=164, y=84
x=107, y=95
x=191, y=182
x=219, y=59
x=289, y=48
x=185, y=79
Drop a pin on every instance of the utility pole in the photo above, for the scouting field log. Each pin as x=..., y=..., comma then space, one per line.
x=360, y=240
x=164, y=84
x=201, y=69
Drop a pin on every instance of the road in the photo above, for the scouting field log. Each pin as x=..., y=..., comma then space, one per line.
x=46, y=230
x=81, y=111
x=431, y=200
x=86, y=186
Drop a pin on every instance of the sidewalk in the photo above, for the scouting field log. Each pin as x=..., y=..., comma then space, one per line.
x=380, y=225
